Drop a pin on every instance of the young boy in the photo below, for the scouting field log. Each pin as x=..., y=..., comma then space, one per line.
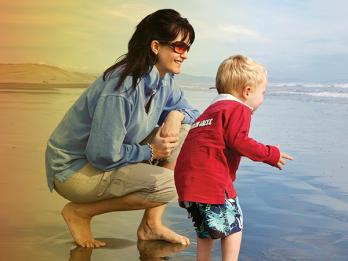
x=208, y=161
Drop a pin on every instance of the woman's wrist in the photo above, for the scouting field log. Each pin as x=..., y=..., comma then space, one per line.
x=152, y=157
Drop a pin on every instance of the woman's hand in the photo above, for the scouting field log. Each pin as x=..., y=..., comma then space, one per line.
x=162, y=147
x=172, y=124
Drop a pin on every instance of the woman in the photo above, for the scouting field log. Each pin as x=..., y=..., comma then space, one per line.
x=107, y=153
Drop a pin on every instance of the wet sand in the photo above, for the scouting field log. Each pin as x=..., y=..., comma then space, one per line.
x=298, y=214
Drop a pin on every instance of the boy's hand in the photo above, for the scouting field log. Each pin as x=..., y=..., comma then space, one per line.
x=282, y=159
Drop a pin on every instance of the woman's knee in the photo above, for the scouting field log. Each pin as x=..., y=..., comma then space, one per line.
x=171, y=160
x=163, y=190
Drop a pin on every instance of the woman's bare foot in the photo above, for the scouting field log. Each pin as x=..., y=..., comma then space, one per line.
x=80, y=226
x=160, y=232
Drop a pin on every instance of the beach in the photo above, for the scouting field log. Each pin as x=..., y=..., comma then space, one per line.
x=300, y=213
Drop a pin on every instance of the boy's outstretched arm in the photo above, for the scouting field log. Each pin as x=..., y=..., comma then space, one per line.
x=257, y=151
x=237, y=138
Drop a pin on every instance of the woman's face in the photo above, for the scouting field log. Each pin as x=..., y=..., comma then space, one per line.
x=170, y=60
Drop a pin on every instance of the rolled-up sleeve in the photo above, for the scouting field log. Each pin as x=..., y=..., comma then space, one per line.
x=177, y=101
x=106, y=149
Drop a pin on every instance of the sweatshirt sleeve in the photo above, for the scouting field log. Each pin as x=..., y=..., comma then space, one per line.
x=237, y=138
x=177, y=101
x=106, y=149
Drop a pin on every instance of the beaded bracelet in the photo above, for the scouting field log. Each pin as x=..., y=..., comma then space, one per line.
x=152, y=155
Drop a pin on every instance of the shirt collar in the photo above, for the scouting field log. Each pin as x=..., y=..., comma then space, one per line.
x=227, y=96
x=153, y=80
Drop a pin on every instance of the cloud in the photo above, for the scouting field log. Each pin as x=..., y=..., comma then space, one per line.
x=238, y=31
x=117, y=14
x=227, y=33
x=133, y=12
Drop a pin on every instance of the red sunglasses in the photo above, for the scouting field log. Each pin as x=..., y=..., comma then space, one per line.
x=178, y=47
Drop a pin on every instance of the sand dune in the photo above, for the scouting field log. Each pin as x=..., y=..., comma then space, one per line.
x=40, y=73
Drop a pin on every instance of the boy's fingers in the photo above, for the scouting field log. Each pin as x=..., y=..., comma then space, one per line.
x=281, y=161
x=286, y=156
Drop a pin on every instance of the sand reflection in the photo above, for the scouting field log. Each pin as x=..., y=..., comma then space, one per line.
x=148, y=250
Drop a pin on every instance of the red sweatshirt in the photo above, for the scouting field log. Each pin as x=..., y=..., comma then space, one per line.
x=207, y=164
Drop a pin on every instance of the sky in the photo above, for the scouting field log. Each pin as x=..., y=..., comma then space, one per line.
x=296, y=40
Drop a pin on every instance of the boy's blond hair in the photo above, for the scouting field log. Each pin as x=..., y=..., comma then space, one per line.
x=238, y=71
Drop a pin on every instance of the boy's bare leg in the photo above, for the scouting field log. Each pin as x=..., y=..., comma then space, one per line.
x=204, y=248
x=230, y=246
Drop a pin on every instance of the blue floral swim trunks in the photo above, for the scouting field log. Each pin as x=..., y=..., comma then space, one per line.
x=215, y=220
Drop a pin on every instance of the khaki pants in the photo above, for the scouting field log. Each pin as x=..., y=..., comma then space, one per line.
x=151, y=182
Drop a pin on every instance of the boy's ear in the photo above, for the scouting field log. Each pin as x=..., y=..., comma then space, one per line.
x=155, y=46
x=246, y=91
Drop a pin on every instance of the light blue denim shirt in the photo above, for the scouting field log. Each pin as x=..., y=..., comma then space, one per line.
x=105, y=126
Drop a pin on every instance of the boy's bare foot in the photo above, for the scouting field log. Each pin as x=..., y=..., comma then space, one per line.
x=80, y=226
x=160, y=232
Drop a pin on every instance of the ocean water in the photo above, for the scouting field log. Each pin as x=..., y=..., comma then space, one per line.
x=299, y=213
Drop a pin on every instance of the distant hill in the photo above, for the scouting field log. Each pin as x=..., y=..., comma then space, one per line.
x=40, y=73
x=43, y=73
x=191, y=79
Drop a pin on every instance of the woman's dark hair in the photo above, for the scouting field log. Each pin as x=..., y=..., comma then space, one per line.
x=163, y=25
